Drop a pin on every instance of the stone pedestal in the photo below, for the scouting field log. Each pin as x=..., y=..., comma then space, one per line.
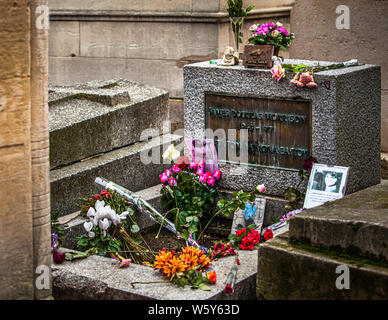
x=341, y=118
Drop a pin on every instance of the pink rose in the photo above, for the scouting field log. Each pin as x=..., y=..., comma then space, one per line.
x=125, y=263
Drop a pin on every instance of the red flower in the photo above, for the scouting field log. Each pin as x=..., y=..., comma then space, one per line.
x=247, y=244
x=59, y=257
x=255, y=235
x=183, y=162
x=308, y=163
x=238, y=261
x=231, y=251
x=228, y=288
x=211, y=277
x=241, y=232
x=105, y=194
x=268, y=234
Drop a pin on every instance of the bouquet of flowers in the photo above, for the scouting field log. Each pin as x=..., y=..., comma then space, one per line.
x=220, y=250
x=188, y=191
x=270, y=33
x=248, y=238
x=185, y=268
x=111, y=227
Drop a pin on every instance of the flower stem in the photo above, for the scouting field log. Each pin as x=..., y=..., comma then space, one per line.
x=147, y=282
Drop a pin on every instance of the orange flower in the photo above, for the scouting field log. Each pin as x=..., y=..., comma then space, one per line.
x=174, y=266
x=170, y=263
x=162, y=258
x=194, y=257
x=211, y=277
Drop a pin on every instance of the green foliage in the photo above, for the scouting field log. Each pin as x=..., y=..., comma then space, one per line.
x=189, y=201
x=303, y=68
x=195, y=278
x=235, y=9
x=237, y=14
x=295, y=197
x=99, y=242
x=228, y=207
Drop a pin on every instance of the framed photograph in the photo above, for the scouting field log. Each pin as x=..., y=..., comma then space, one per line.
x=326, y=183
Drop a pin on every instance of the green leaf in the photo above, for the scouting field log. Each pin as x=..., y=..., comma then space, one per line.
x=193, y=229
x=204, y=287
x=135, y=228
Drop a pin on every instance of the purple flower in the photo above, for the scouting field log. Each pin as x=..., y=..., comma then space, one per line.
x=283, y=30
x=54, y=242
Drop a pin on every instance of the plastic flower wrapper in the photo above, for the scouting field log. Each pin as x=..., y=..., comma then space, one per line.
x=277, y=71
x=290, y=214
x=232, y=276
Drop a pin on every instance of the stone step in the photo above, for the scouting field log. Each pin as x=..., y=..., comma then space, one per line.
x=123, y=166
x=100, y=116
x=291, y=272
x=356, y=224
x=73, y=223
x=100, y=278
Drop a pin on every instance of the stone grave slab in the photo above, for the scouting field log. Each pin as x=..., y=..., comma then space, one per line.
x=338, y=123
x=100, y=116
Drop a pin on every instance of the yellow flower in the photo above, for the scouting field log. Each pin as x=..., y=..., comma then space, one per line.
x=171, y=153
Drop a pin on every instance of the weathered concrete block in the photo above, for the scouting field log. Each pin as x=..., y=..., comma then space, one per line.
x=123, y=166
x=345, y=119
x=288, y=272
x=97, y=117
x=356, y=224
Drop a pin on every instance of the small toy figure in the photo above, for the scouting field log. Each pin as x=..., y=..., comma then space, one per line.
x=230, y=57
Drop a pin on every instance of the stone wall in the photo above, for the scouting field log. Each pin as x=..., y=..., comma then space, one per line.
x=146, y=41
x=150, y=41
x=24, y=192
x=317, y=38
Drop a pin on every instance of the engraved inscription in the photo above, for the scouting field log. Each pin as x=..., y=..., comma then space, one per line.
x=279, y=130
